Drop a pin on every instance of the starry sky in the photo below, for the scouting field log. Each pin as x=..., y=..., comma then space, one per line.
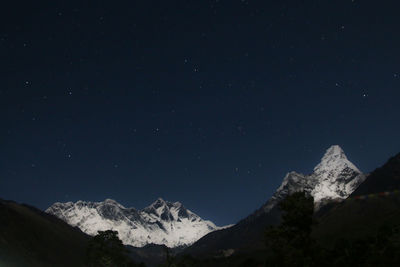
x=209, y=103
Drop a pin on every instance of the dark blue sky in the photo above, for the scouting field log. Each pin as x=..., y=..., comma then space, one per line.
x=205, y=102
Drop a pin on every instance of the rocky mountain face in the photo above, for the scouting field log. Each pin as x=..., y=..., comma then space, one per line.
x=333, y=179
x=163, y=222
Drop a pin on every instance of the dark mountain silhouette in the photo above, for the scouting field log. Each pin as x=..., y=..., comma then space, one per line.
x=246, y=236
x=385, y=178
x=30, y=237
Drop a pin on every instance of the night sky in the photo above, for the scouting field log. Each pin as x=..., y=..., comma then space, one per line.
x=209, y=103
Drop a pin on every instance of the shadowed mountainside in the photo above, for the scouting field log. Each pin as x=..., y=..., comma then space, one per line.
x=30, y=237
x=385, y=178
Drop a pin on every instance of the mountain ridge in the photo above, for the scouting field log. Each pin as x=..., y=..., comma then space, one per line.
x=162, y=222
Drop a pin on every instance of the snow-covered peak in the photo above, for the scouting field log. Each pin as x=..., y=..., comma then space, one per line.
x=109, y=201
x=337, y=176
x=169, y=211
x=334, y=159
x=159, y=202
x=163, y=222
x=334, y=150
x=290, y=178
x=177, y=204
x=334, y=178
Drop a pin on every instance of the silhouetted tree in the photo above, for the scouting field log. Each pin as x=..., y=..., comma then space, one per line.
x=290, y=243
x=169, y=259
x=106, y=249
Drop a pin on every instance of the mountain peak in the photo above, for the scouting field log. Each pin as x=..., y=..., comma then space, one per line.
x=110, y=201
x=334, y=158
x=158, y=203
x=335, y=177
x=177, y=203
x=334, y=150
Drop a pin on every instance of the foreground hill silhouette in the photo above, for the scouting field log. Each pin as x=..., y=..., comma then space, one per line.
x=30, y=237
x=385, y=178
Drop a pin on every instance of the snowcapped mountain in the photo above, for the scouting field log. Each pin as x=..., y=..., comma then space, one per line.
x=163, y=222
x=334, y=178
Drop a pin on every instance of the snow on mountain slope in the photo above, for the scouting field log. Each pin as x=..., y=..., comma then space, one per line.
x=162, y=222
x=334, y=178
